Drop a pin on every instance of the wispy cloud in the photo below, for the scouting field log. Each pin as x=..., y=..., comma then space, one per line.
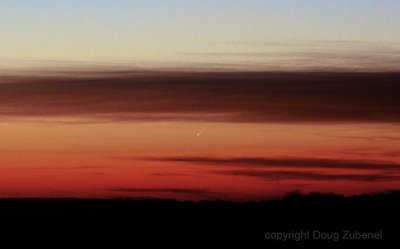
x=309, y=55
x=261, y=162
x=168, y=190
x=313, y=176
x=316, y=169
x=222, y=97
x=392, y=153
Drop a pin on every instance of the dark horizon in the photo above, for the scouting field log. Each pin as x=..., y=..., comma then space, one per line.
x=119, y=221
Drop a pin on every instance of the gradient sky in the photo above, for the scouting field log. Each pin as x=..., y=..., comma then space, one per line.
x=196, y=136
x=122, y=31
x=194, y=100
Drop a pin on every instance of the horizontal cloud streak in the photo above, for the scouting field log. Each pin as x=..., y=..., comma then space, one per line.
x=168, y=190
x=272, y=169
x=301, y=175
x=283, y=162
x=348, y=56
x=222, y=97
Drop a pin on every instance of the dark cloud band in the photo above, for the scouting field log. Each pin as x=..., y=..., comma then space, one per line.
x=315, y=169
x=313, y=176
x=223, y=97
x=260, y=162
x=168, y=190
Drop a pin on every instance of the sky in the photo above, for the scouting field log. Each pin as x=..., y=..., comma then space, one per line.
x=198, y=135
x=198, y=100
x=230, y=34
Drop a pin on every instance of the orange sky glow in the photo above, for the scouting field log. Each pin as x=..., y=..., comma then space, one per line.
x=196, y=140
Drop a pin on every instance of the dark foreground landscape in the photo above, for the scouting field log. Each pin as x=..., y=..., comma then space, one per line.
x=295, y=221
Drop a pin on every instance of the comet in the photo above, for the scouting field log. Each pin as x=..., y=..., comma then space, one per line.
x=201, y=131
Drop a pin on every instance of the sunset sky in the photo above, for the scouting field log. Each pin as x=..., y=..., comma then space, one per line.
x=226, y=33
x=198, y=100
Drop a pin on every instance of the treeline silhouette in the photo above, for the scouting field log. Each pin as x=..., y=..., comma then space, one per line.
x=171, y=221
